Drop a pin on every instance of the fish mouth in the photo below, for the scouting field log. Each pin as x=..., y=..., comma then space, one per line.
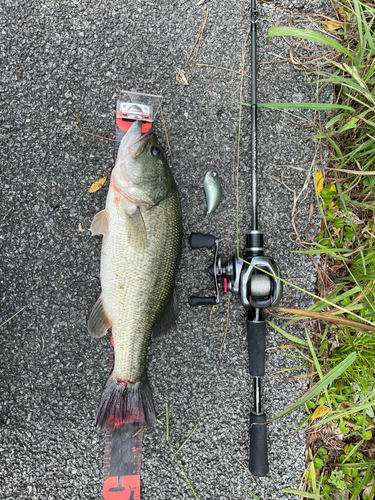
x=134, y=142
x=138, y=145
x=145, y=136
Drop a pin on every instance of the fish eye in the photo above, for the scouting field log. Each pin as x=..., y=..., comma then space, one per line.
x=156, y=151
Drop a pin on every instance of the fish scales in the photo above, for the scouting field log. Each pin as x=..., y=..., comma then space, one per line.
x=130, y=274
x=141, y=227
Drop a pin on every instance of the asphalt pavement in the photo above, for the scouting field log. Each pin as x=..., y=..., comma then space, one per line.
x=63, y=65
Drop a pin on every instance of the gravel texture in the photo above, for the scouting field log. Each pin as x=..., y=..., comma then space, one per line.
x=63, y=65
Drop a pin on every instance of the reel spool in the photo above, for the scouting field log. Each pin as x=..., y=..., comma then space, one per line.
x=260, y=285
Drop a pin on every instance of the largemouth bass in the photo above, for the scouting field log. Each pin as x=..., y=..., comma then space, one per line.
x=142, y=230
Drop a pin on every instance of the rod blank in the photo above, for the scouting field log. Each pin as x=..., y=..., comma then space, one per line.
x=254, y=114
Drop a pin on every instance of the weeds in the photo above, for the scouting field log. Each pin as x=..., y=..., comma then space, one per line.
x=341, y=415
x=174, y=453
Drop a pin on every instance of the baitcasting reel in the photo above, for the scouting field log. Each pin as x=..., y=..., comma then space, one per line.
x=255, y=287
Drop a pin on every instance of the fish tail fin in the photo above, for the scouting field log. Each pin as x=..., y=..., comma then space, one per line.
x=124, y=402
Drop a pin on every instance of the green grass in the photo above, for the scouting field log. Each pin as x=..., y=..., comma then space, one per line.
x=174, y=453
x=341, y=442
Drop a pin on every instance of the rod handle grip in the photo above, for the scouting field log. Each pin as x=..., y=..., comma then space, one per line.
x=258, y=445
x=256, y=340
x=202, y=301
x=199, y=240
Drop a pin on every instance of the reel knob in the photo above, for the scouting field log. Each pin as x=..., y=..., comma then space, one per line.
x=199, y=240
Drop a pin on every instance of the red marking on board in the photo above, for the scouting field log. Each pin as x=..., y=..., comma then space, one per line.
x=122, y=467
x=122, y=488
x=124, y=125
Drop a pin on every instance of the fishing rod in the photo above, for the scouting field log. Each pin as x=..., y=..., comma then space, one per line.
x=256, y=281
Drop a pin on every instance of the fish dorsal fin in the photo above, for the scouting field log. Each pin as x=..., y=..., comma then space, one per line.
x=169, y=317
x=136, y=228
x=99, y=224
x=98, y=322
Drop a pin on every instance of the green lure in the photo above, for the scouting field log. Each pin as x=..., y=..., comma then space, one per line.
x=212, y=188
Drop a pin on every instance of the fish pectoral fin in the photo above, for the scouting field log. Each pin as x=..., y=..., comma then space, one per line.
x=99, y=224
x=169, y=317
x=98, y=322
x=136, y=229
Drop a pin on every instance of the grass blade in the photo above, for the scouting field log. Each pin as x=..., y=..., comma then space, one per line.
x=370, y=72
x=249, y=491
x=175, y=453
x=292, y=338
x=317, y=388
x=183, y=472
x=335, y=119
x=186, y=440
x=317, y=366
x=353, y=451
x=359, y=488
x=359, y=15
x=350, y=83
x=167, y=421
x=336, y=415
x=351, y=323
x=303, y=493
x=313, y=36
x=302, y=105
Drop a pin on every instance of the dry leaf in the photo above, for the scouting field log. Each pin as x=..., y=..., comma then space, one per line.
x=181, y=78
x=201, y=2
x=344, y=494
x=95, y=186
x=331, y=25
x=319, y=412
x=334, y=343
x=333, y=431
x=319, y=181
x=81, y=228
x=212, y=311
x=368, y=488
x=345, y=16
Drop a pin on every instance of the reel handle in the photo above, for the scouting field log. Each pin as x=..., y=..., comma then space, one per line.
x=202, y=301
x=199, y=240
x=258, y=445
